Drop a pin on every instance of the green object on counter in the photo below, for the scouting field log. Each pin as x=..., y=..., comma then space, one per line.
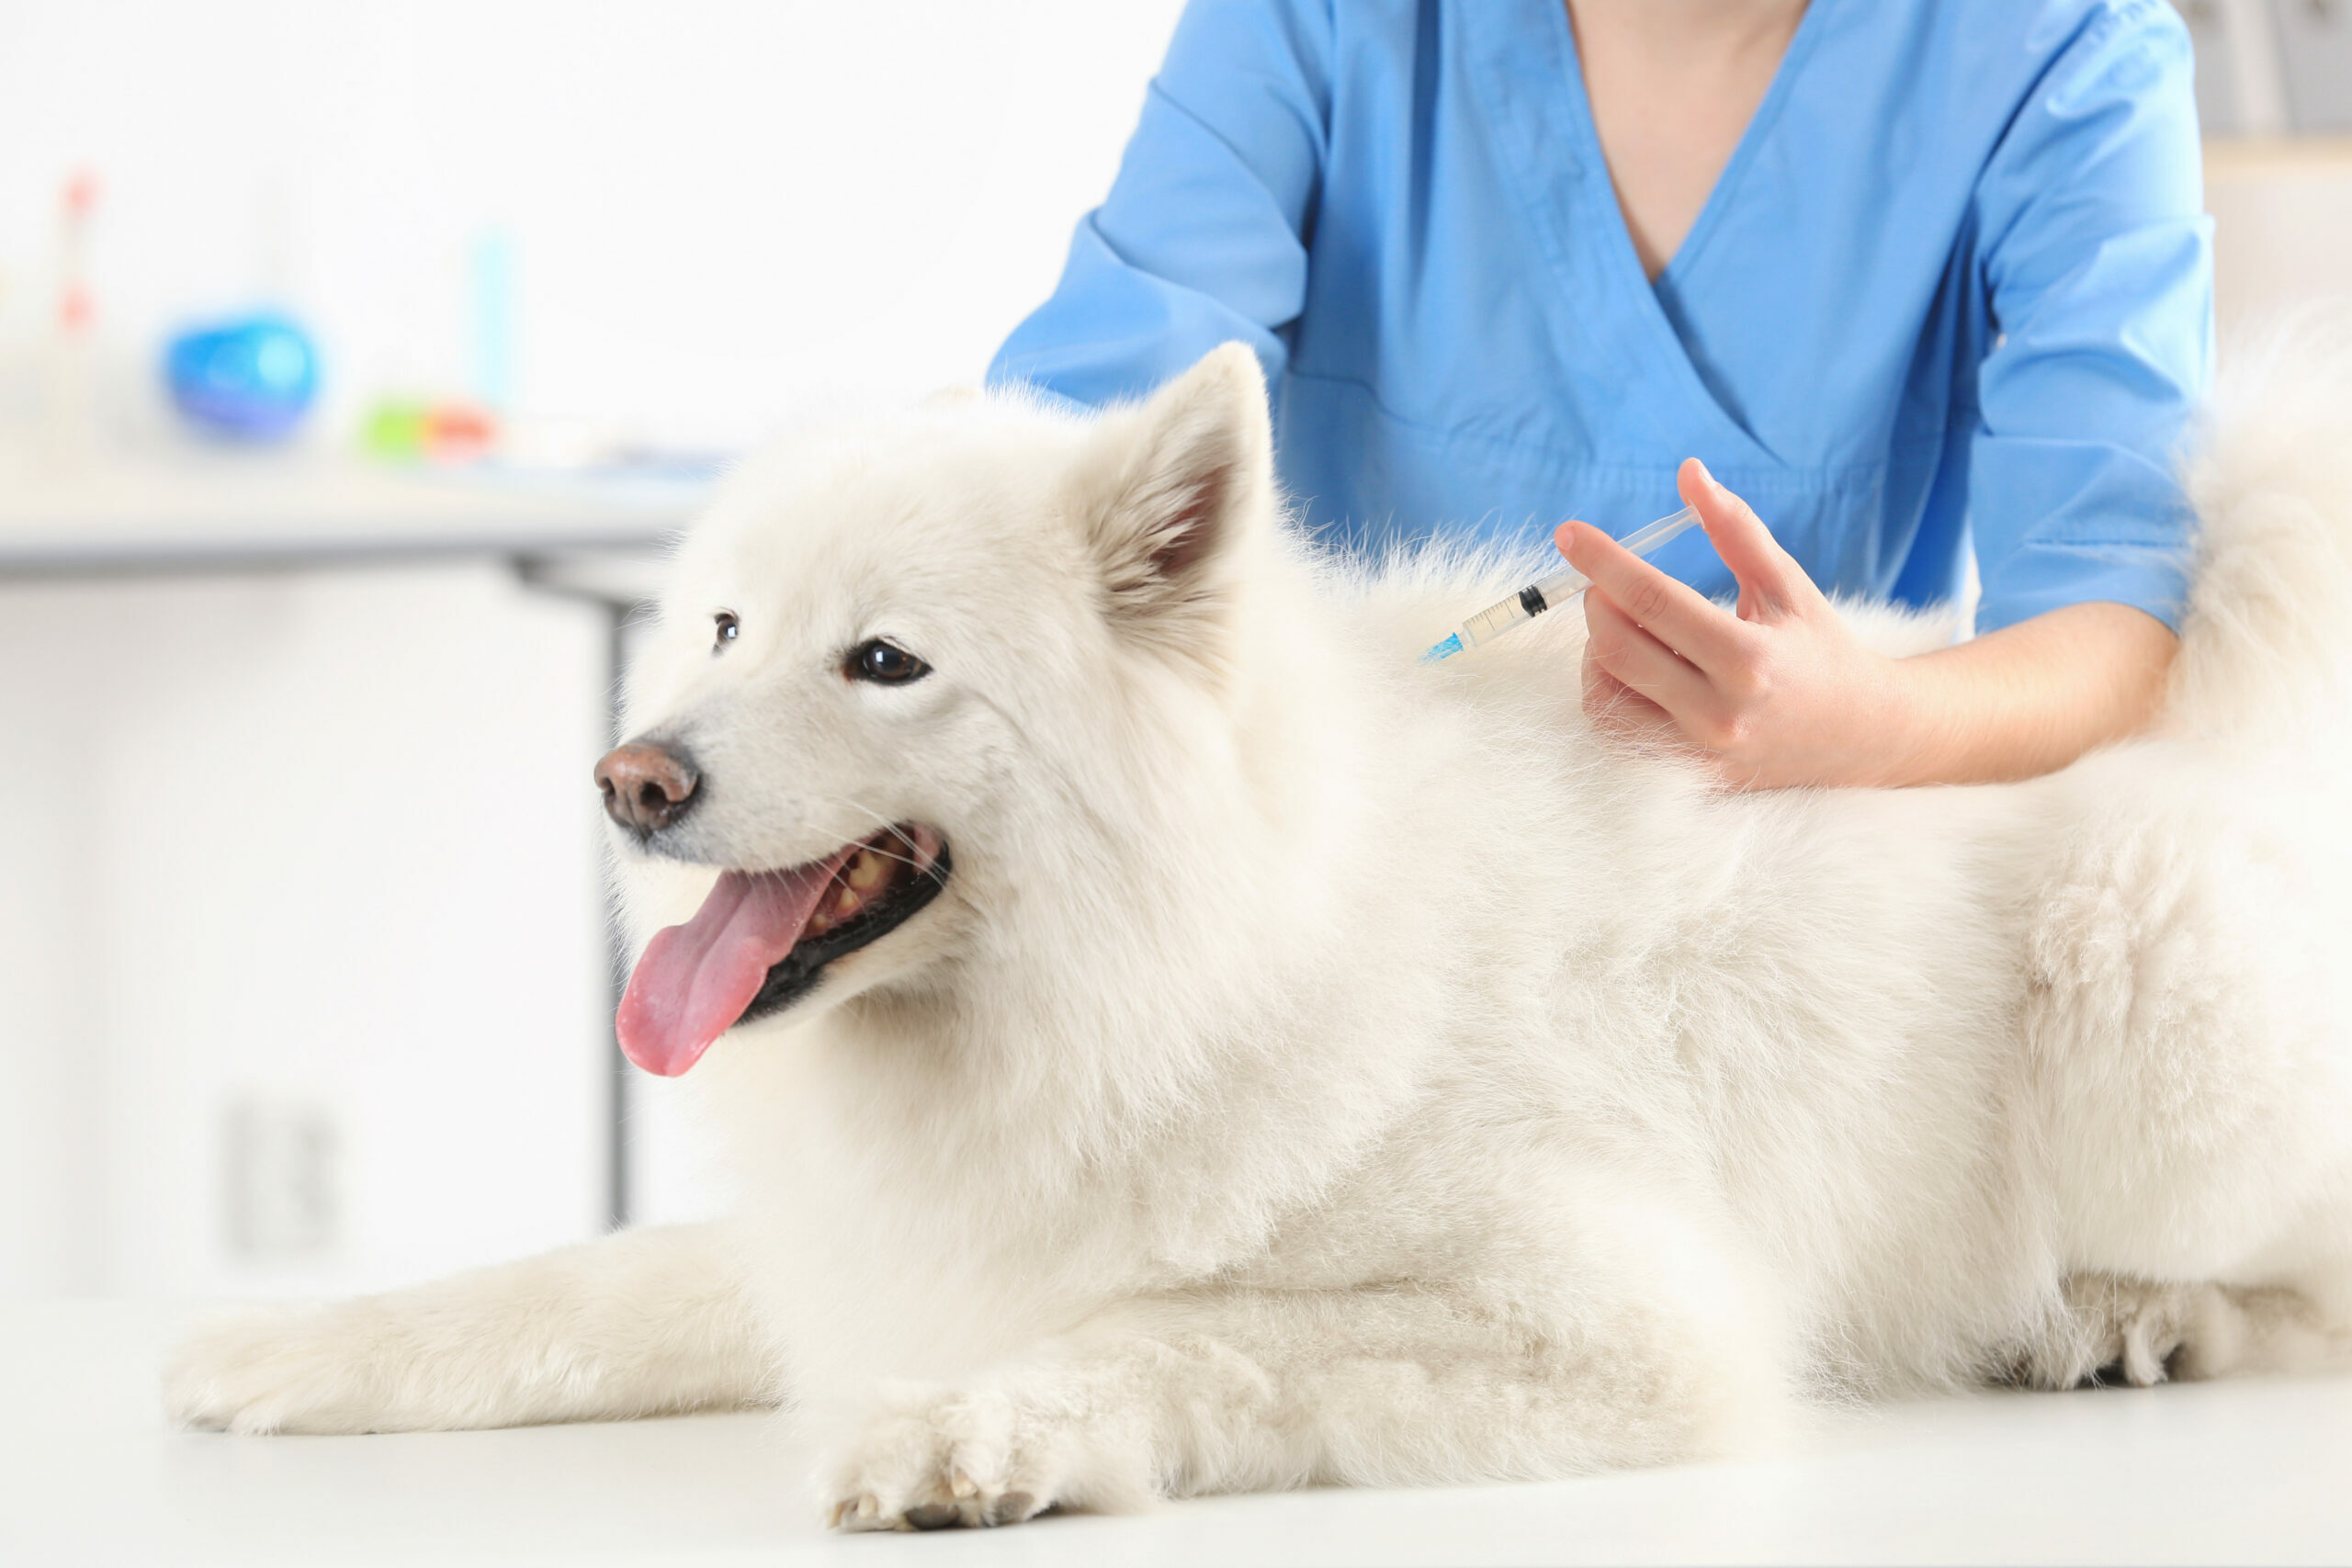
x=396, y=431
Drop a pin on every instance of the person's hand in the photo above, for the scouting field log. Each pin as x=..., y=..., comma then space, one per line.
x=1778, y=693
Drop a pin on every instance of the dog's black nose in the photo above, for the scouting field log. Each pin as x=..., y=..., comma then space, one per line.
x=646, y=786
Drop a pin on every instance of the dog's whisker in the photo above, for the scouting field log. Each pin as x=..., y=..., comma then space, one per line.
x=890, y=826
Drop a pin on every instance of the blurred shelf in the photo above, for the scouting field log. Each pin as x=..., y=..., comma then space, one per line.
x=2233, y=157
x=2282, y=225
x=236, y=513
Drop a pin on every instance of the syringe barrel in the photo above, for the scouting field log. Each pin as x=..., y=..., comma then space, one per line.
x=1547, y=594
x=1493, y=621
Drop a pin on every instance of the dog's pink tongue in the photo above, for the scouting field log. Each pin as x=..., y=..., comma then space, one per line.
x=694, y=980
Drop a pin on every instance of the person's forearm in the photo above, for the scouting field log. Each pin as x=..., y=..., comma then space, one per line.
x=2030, y=697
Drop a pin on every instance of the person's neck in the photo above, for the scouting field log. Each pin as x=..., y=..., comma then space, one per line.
x=1680, y=36
x=1673, y=84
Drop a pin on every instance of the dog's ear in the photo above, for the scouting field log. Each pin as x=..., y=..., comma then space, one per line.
x=1180, y=483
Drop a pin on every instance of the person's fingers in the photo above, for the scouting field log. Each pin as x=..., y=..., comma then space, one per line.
x=1675, y=613
x=1768, y=577
x=1638, y=660
x=1613, y=705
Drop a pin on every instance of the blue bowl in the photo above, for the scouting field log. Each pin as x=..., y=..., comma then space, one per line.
x=248, y=378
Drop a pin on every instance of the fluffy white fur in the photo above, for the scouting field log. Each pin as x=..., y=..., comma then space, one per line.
x=1327, y=1067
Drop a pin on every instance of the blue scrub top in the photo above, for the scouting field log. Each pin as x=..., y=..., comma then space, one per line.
x=1955, y=279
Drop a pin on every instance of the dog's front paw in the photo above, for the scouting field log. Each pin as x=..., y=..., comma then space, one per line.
x=313, y=1371
x=988, y=1456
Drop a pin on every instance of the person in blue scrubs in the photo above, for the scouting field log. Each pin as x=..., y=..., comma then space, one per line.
x=1913, y=277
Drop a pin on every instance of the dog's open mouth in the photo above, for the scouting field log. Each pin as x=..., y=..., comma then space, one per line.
x=762, y=940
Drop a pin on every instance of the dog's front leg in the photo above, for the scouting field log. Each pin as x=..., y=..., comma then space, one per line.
x=1233, y=1390
x=643, y=1323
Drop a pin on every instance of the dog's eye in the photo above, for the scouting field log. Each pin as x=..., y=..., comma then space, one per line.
x=884, y=664
x=730, y=629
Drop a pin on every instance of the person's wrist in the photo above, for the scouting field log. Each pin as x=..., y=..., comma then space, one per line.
x=1913, y=737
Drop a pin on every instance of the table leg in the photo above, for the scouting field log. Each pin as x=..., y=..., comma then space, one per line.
x=617, y=1173
x=620, y=598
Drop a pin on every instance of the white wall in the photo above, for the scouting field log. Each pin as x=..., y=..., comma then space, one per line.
x=328, y=854
x=321, y=846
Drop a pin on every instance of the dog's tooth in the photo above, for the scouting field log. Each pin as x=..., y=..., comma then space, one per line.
x=846, y=902
x=865, y=871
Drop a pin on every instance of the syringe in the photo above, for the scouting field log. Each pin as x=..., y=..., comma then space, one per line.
x=1551, y=593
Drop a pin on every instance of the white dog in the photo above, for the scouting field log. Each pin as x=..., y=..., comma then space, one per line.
x=1176, y=1042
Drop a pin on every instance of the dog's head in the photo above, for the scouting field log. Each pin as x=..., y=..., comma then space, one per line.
x=900, y=666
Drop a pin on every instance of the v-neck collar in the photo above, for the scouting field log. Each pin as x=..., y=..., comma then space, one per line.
x=1611, y=315
x=1726, y=188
